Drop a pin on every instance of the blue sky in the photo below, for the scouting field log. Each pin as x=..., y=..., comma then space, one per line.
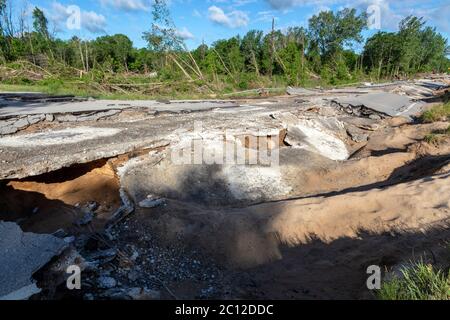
x=210, y=20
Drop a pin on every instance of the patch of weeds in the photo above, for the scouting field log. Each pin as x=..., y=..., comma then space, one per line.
x=436, y=137
x=432, y=138
x=418, y=282
x=437, y=113
x=52, y=86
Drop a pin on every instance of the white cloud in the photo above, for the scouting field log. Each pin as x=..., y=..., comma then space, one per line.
x=184, y=34
x=233, y=19
x=286, y=4
x=93, y=22
x=265, y=16
x=438, y=16
x=90, y=20
x=392, y=11
x=128, y=5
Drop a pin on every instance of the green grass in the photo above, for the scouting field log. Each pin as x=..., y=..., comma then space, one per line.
x=418, y=282
x=104, y=85
x=437, y=136
x=437, y=113
x=432, y=138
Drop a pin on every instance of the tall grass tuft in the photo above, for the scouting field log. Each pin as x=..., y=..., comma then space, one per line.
x=418, y=282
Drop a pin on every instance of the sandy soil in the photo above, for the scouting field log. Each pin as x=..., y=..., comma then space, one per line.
x=39, y=201
x=313, y=248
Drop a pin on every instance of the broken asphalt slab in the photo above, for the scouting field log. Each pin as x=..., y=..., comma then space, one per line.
x=386, y=103
x=21, y=255
x=21, y=108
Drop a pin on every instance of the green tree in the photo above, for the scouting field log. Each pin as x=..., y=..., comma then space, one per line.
x=163, y=35
x=40, y=23
x=331, y=31
x=251, y=48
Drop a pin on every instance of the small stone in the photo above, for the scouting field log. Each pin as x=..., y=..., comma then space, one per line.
x=374, y=117
x=49, y=117
x=92, y=206
x=106, y=282
x=152, y=202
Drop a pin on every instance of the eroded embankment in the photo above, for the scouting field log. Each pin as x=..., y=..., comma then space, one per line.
x=80, y=198
x=240, y=216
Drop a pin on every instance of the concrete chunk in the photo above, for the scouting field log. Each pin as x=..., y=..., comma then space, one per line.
x=21, y=255
x=299, y=91
x=385, y=103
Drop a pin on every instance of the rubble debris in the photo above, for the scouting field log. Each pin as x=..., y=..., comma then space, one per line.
x=10, y=126
x=101, y=257
x=383, y=104
x=21, y=255
x=357, y=134
x=434, y=85
x=23, y=108
x=49, y=117
x=91, y=116
x=124, y=210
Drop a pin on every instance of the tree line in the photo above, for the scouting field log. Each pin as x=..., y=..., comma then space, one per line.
x=322, y=51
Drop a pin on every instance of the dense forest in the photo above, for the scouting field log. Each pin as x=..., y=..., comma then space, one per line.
x=318, y=55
